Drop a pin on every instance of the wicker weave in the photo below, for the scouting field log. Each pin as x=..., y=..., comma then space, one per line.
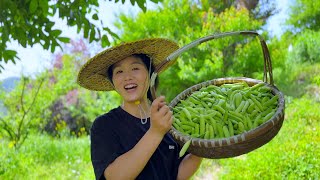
x=241, y=143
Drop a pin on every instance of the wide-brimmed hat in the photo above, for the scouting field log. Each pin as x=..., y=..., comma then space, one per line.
x=93, y=74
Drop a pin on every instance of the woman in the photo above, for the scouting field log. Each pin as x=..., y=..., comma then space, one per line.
x=132, y=140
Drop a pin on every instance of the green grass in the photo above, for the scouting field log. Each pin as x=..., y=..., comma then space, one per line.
x=295, y=81
x=42, y=157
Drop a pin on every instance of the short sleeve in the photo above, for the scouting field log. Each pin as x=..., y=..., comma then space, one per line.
x=105, y=146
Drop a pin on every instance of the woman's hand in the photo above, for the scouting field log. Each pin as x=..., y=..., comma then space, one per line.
x=161, y=116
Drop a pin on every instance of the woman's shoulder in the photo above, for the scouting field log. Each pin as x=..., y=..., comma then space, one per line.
x=106, y=118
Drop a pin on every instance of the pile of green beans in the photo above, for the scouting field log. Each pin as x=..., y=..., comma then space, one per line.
x=224, y=111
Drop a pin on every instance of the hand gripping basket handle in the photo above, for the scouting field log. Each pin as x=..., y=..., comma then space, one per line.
x=267, y=76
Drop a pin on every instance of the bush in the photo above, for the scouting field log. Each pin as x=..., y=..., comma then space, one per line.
x=306, y=47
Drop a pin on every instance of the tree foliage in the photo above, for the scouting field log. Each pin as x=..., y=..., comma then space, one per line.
x=31, y=22
x=306, y=47
x=305, y=14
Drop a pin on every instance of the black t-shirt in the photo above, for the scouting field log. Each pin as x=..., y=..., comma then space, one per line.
x=116, y=132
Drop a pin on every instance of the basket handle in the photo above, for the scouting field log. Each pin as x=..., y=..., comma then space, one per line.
x=267, y=75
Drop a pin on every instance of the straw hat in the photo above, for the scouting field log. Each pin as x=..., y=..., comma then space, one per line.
x=93, y=74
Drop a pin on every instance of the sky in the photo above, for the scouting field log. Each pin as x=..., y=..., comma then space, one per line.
x=34, y=59
x=275, y=24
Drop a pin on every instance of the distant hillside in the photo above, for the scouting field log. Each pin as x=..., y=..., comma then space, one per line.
x=8, y=84
x=3, y=110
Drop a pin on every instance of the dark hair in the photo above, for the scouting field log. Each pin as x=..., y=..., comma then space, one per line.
x=146, y=61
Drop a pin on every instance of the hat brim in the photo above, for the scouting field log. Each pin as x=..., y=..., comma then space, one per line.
x=93, y=74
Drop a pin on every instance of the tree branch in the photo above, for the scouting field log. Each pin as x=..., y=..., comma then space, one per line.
x=22, y=94
x=29, y=108
x=7, y=128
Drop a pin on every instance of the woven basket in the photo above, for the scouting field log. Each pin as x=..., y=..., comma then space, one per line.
x=241, y=143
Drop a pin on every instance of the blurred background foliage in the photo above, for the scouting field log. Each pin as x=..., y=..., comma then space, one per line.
x=45, y=120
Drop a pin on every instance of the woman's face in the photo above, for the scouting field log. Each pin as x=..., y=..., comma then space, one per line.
x=130, y=78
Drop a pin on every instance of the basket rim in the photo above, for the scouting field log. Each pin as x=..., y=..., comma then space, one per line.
x=239, y=138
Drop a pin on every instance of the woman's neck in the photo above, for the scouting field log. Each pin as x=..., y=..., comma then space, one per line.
x=141, y=110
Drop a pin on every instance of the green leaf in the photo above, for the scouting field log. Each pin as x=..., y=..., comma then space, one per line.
x=44, y=6
x=111, y=33
x=141, y=4
x=9, y=55
x=48, y=26
x=5, y=33
x=21, y=36
x=86, y=31
x=95, y=17
x=56, y=32
x=53, y=46
x=155, y=1
x=64, y=39
x=33, y=6
x=105, y=41
x=92, y=35
x=46, y=44
x=23, y=42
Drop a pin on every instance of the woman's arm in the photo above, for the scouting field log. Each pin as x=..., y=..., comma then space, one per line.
x=188, y=166
x=130, y=164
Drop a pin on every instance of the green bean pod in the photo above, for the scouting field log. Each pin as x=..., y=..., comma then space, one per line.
x=184, y=148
